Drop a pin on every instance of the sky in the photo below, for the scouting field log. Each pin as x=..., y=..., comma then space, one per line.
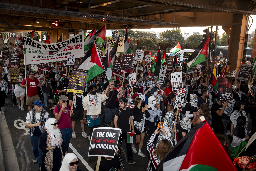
x=191, y=30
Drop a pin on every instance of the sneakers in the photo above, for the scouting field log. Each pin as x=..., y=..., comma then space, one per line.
x=34, y=160
x=134, y=150
x=84, y=135
x=73, y=135
x=141, y=154
x=22, y=109
x=131, y=162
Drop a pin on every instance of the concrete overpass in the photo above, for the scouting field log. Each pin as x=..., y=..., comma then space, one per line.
x=232, y=15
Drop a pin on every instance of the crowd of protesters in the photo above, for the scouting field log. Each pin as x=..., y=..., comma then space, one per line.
x=147, y=107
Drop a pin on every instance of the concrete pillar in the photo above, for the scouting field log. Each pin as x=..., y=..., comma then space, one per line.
x=54, y=34
x=59, y=34
x=65, y=35
x=236, y=41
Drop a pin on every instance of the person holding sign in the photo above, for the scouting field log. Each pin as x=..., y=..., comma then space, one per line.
x=123, y=120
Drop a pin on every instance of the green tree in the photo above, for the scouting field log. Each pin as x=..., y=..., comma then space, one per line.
x=193, y=41
x=223, y=39
x=250, y=45
x=172, y=37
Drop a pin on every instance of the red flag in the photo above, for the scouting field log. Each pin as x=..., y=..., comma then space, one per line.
x=47, y=40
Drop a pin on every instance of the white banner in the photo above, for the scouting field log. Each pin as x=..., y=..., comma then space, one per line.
x=36, y=53
x=139, y=55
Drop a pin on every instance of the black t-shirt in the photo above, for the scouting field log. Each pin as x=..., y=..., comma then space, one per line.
x=78, y=102
x=46, y=87
x=216, y=119
x=123, y=118
x=137, y=113
x=109, y=165
x=111, y=101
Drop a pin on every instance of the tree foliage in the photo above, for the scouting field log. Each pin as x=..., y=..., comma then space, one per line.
x=222, y=41
x=172, y=37
x=193, y=41
x=250, y=45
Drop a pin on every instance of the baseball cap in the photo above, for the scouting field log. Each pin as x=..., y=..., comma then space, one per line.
x=39, y=103
x=63, y=98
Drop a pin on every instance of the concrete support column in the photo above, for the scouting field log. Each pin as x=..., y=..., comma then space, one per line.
x=65, y=35
x=54, y=34
x=236, y=41
x=254, y=46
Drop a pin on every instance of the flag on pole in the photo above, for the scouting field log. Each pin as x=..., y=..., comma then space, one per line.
x=200, y=150
x=101, y=35
x=253, y=66
x=200, y=54
x=131, y=137
x=127, y=49
x=164, y=58
x=88, y=41
x=237, y=146
x=31, y=34
x=223, y=71
x=176, y=49
x=214, y=79
x=92, y=63
x=158, y=64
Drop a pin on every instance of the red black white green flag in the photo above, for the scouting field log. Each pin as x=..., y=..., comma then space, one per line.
x=199, y=150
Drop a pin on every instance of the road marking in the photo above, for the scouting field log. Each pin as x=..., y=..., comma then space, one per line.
x=80, y=157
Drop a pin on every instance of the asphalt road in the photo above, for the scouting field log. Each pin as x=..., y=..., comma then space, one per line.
x=15, y=119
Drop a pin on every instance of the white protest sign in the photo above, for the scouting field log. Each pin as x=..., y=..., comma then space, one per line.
x=139, y=55
x=147, y=59
x=71, y=59
x=162, y=74
x=132, y=78
x=176, y=79
x=36, y=53
x=109, y=73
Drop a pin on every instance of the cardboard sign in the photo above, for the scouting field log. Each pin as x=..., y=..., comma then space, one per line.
x=169, y=63
x=162, y=74
x=225, y=89
x=139, y=55
x=37, y=52
x=116, y=67
x=176, y=79
x=126, y=61
x=14, y=62
x=77, y=81
x=104, y=141
x=132, y=78
x=180, y=97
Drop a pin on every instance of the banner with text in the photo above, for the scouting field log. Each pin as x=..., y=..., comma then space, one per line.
x=104, y=141
x=36, y=52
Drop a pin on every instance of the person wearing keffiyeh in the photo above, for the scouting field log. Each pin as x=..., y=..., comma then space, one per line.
x=52, y=146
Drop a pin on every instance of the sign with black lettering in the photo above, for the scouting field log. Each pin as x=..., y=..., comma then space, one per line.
x=37, y=52
x=104, y=141
x=139, y=55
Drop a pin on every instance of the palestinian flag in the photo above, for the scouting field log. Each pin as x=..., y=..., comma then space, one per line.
x=199, y=150
x=237, y=146
x=176, y=49
x=101, y=35
x=223, y=71
x=164, y=58
x=200, y=54
x=131, y=137
x=157, y=63
x=253, y=66
x=88, y=41
x=31, y=34
x=92, y=63
x=214, y=79
x=127, y=49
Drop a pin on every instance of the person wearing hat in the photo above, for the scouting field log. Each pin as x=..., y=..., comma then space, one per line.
x=31, y=84
x=62, y=113
x=35, y=120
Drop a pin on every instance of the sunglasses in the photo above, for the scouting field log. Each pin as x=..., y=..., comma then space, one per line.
x=64, y=101
x=74, y=163
x=57, y=123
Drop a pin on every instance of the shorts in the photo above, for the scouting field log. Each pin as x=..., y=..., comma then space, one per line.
x=19, y=93
x=78, y=114
x=92, y=122
x=30, y=100
x=109, y=114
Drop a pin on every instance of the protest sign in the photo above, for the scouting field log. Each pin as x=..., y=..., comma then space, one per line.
x=77, y=81
x=162, y=74
x=14, y=61
x=71, y=59
x=37, y=53
x=169, y=63
x=116, y=67
x=180, y=97
x=147, y=59
x=104, y=141
x=127, y=61
x=245, y=72
x=14, y=75
x=225, y=89
x=132, y=78
x=176, y=79
x=230, y=107
x=139, y=55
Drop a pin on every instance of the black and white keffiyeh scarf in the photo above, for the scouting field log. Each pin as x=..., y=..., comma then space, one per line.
x=93, y=100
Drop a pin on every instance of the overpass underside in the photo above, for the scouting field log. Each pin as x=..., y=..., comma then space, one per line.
x=232, y=15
